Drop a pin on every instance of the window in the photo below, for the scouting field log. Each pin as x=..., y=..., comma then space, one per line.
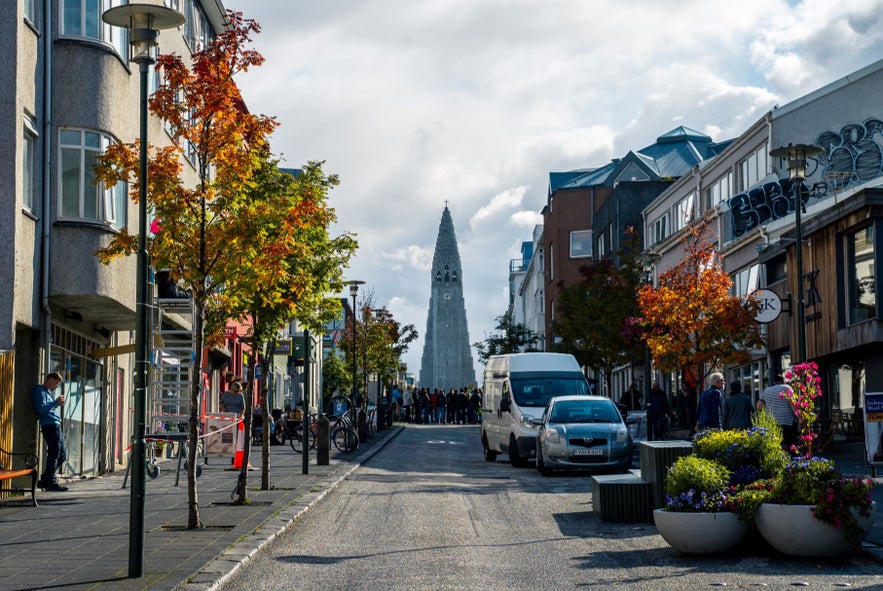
x=31, y=11
x=745, y=281
x=861, y=283
x=684, y=212
x=80, y=197
x=754, y=168
x=197, y=29
x=602, y=248
x=29, y=163
x=776, y=270
x=580, y=244
x=82, y=18
x=659, y=230
x=720, y=190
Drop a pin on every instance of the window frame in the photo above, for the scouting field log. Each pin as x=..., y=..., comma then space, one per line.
x=586, y=244
x=655, y=232
x=753, y=168
x=682, y=220
x=851, y=300
x=116, y=37
x=111, y=204
x=30, y=140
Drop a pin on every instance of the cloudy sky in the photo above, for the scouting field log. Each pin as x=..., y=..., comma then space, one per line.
x=415, y=102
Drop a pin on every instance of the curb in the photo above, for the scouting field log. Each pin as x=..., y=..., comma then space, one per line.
x=219, y=570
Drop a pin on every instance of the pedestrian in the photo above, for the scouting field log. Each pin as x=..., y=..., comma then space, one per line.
x=737, y=408
x=474, y=406
x=775, y=400
x=632, y=398
x=50, y=425
x=687, y=412
x=407, y=403
x=711, y=402
x=441, y=404
x=451, y=407
x=232, y=400
x=658, y=412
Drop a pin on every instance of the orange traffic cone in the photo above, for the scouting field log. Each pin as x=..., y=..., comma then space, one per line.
x=239, y=453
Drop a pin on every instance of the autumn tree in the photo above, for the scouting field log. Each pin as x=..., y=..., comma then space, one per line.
x=202, y=108
x=511, y=337
x=690, y=319
x=590, y=314
x=287, y=262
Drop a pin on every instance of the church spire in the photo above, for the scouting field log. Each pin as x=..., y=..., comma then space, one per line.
x=447, y=357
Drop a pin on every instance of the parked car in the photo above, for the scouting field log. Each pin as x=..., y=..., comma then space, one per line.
x=583, y=433
x=517, y=387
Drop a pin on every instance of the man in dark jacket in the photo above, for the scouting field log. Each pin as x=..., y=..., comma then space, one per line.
x=710, y=411
x=658, y=412
x=737, y=408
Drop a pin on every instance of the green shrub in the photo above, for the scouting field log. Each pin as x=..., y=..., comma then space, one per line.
x=749, y=455
x=696, y=485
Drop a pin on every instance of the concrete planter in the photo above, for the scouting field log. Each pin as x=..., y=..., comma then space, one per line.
x=792, y=530
x=700, y=533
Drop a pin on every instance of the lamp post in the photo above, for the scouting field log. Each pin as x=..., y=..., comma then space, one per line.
x=648, y=260
x=354, y=290
x=144, y=22
x=796, y=157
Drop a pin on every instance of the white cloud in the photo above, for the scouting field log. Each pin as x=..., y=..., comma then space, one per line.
x=476, y=101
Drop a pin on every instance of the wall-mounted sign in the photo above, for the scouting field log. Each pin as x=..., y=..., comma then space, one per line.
x=230, y=332
x=770, y=305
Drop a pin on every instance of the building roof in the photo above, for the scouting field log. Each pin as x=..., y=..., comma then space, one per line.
x=672, y=155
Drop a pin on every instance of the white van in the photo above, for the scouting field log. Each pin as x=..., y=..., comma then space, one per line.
x=517, y=388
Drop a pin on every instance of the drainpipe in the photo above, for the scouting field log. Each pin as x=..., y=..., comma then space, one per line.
x=46, y=175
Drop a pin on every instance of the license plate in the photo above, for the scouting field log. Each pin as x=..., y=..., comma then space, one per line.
x=591, y=451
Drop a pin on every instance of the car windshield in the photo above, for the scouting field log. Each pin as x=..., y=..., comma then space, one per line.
x=584, y=411
x=538, y=390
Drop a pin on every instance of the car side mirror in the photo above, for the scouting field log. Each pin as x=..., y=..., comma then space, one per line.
x=505, y=406
x=536, y=422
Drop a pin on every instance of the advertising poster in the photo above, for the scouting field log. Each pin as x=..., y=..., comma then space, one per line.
x=221, y=432
x=874, y=427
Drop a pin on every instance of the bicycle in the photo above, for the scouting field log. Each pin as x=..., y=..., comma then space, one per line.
x=343, y=434
x=294, y=433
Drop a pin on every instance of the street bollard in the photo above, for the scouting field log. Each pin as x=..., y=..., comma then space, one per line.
x=362, y=423
x=323, y=442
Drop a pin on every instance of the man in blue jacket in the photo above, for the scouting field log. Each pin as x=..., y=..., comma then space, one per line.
x=50, y=424
x=710, y=411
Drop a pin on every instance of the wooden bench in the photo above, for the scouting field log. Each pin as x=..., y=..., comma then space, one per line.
x=8, y=471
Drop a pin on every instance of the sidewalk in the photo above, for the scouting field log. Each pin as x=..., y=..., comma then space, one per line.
x=80, y=539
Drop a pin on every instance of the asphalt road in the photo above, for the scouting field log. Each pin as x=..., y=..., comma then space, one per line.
x=428, y=513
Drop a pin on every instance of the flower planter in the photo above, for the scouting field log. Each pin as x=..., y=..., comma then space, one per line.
x=700, y=533
x=792, y=530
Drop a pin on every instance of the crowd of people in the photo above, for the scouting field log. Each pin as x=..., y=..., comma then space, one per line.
x=457, y=406
x=712, y=409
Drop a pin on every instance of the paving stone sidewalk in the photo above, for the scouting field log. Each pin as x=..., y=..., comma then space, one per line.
x=80, y=539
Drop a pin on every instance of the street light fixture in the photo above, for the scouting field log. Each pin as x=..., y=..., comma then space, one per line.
x=796, y=157
x=354, y=290
x=648, y=261
x=144, y=22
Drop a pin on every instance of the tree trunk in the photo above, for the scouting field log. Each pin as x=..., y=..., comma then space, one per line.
x=193, y=521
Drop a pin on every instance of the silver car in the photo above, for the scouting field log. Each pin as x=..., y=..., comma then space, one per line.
x=583, y=433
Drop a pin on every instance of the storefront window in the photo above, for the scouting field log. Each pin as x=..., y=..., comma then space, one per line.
x=861, y=281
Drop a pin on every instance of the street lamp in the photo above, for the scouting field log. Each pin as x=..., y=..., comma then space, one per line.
x=354, y=289
x=648, y=261
x=144, y=22
x=796, y=157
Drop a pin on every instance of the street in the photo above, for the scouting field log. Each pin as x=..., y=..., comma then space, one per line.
x=428, y=512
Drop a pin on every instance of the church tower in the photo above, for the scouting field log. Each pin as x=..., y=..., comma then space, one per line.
x=447, y=357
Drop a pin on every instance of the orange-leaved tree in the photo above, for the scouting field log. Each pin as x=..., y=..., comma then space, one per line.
x=690, y=318
x=193, y=203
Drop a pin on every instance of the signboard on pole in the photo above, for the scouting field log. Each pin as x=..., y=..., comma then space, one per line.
x=874, y=428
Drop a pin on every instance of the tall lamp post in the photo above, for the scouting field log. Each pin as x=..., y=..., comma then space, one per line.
x=648, y=260
x=144, y=22
x=354, y=290
x=796, y=157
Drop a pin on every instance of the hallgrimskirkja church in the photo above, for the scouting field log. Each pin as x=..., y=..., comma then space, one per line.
x=447, y=356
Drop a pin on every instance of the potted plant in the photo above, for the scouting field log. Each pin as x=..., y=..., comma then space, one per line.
x=697, y=518
x=813, y=510
x=809, y=508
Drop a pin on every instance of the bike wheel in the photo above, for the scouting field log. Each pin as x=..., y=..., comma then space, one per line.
x=345, y=439
x=296, y=439
x=152, y=469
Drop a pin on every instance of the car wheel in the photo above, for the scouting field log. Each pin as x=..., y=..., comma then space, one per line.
x=489, y=456
x=541, y=465
x=515, y=459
